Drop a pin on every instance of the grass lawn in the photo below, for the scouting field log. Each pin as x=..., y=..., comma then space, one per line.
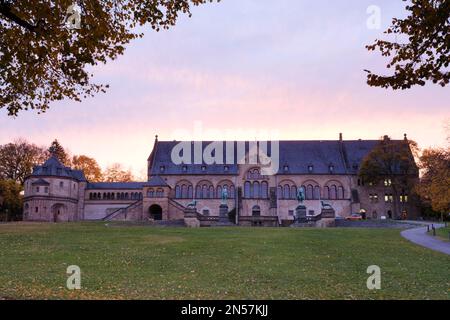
x=443, y=233
x=131, y=262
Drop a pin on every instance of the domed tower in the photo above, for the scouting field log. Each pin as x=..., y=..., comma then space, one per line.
x=54, y=192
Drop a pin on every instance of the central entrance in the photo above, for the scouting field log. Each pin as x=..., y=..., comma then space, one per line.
x=155, y=212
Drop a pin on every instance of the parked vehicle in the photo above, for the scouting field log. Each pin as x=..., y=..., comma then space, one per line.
x=354, y=217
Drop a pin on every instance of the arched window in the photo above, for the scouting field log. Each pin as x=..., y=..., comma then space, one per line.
x=160, y=193
x=247, y=189
x=293, y=192
x=280, y=192
x=256, y=211
x=264, y=190
x=340, y=193
x=211, y=192
x=190, y=192
x=232, y=192
x=150, y=193
x=198, y=192
x=177, y=192
x=309, y=192
x=184, y=191
x=333, y=192
x=286, y=191
x=219, y=192
x=205, y=191
x=256, y=191
x=326, y=193
x=316, y=193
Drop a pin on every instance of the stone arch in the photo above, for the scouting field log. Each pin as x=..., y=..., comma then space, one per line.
x=155, y=212
x=59, y=212
x=183, y=189
x=256, y=211
x=203, y=188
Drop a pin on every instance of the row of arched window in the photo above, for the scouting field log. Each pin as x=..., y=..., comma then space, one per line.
x=115, y=195
x=256, y=190
x=204, y=190
x=155, y=193
x=312, y=192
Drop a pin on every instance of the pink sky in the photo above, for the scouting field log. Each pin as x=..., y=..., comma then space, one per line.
x=244, y=70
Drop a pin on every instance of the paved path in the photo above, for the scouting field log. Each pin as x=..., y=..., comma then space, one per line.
x=419, y=236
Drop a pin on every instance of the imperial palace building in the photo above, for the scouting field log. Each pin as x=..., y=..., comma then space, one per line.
x=327, y=170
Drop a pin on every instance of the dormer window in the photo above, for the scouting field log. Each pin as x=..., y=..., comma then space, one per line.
x=203, y=168
x=331, y=168
x=310, y=168
x=162, y=168
x=226, y=168
x=286, y=168
x=184, y=168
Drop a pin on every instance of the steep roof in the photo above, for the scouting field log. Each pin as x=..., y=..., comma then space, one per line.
x=40, y=182
x=53, y=167
x=156, y=181
x=294, y=156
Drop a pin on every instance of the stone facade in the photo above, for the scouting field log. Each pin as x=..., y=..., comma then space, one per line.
x=327, y=170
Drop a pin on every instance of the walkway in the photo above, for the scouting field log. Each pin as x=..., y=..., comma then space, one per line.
x=419, y=236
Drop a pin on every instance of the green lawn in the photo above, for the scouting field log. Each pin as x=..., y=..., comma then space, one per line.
x=443, y=233
x=131, y=262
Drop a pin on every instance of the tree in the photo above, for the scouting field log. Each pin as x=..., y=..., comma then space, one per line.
x=90, y=167
x=18, y=158
x=44, y=59
x=10, y=200
x=435, y=181
x=116, y=173
x=393, y=161
x=57, y=150
x=425, y=55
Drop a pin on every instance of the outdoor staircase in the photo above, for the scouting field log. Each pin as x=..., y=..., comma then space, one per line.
x=123, y=211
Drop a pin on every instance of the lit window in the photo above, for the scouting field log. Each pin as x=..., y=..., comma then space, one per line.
x=387, y=182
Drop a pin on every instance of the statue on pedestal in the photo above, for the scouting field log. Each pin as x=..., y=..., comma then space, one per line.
x=224, y=195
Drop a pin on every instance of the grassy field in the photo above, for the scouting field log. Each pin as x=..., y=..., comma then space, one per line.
x=130, y=262
x=443, y=233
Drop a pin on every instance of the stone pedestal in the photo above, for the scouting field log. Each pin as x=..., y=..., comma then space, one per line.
x=328, y=213
x=190, y=218
x=224, y=220
x=300, y=214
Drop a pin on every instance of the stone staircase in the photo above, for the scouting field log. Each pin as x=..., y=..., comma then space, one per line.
x=132, y=212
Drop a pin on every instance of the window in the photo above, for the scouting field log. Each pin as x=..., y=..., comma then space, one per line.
x=36, y=209
x=286, y=191
x=61, y=184
x=291, y=213
x=162, y=168
x=198, y=192
x=184, y=168
x=373, y=198
x=387, y=182
x=178, y=192
x=331, y=168
x=310, y=168
x=247, y=188
x=205, y=212
x=309, y=192
x=264, y=190
x=404, y=198
x=150, y=193
x=256, y=191
x=226, y=168
x=286, y=168
x=326, y=193
x=340, y=193
x=333, y=192
x=388, y=198
x=46, y=189
x=316, y=193
x=203, y=168
x=37, y=189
